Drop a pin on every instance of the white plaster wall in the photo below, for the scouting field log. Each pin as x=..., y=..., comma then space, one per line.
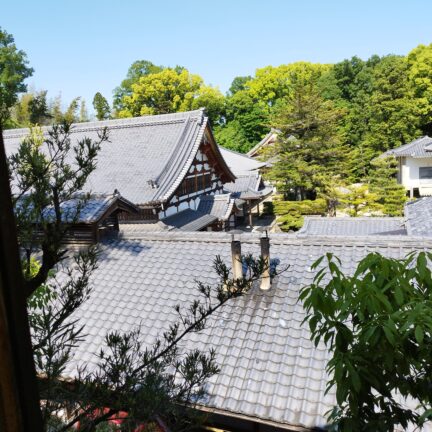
x=410, y=172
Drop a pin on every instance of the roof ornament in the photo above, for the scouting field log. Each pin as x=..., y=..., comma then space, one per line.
x=153, y=184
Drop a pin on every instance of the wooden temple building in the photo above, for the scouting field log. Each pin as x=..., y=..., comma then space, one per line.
x=165, y=165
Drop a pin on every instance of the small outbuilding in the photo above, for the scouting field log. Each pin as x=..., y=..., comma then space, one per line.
x=415, y=166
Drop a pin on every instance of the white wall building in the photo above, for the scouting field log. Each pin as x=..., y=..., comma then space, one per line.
x=415, y=166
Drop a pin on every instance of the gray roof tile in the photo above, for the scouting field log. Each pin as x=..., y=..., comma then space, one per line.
x=211, y=208
x=419, y=217
x=157, y=148
x=359, y=226
x=248, y=186
x=269, y=367
x=239, y=163
x=419, y=148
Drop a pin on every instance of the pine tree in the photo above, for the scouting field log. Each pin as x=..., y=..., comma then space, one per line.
x=310, y=147
x=359, y=200
x=101, y=105
x=383, y=183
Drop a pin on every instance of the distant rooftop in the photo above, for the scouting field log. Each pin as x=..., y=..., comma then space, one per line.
x=87, y=210
x=146, y=157
x=211, y=208
x=250, y=186
x=353, y=226
x=239, y=163
x=419, y=148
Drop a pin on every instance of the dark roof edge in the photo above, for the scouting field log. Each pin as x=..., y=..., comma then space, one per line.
x=254, y=419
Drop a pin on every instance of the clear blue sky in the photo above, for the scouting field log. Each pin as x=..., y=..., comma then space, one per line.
x=81, y=47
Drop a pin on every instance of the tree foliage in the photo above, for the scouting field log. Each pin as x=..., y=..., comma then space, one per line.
x=359, y=200
x=309, y=147
x=383, y=183
x=137, y=70
x=377, y=326
x=101, y=106
x=170, y=91
x=14, y=70
x=35, y=108
x=290, y=213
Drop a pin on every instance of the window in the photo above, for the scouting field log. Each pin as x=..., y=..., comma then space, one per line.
x=425, y=173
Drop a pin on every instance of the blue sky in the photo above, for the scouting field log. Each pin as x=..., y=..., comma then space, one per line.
x=81, y=47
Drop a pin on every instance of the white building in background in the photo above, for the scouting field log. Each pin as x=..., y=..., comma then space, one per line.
x=415, y=166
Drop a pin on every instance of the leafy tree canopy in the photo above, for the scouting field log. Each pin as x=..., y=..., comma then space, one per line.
x=383, y=183
x=138, y=69
x=309, y=148
x=101, y=106
x=14, y=70
x=378, y=327
x=169, y=91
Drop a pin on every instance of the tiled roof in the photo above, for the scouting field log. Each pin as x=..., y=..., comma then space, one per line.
x=217, y=205
x=190, y=220
x=239, y=163
x=270, y=370
x=248, y=186
x=419, y=217
x=355, y=226
x=88, y=210
x=141, y=150
x=211, y=208
x=421, y=147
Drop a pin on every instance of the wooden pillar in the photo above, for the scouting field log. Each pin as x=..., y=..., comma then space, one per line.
x=19, y=398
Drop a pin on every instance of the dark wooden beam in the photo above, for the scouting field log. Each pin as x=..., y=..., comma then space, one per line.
x=19, y=399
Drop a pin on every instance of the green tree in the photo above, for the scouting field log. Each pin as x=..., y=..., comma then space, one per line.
x=377, y=326
x=420, y=75
x=232, y=136
x=359, y=200
x=393, y=115
x=71, y=113
x=101, y=106
x=13, y=71
x=38, y=109
x=350, y=85
x=55, y=108
x=20, y=113
x=248, y=116
x=383, y=183
x=252, y=100
x=137, y=70
x=171, y=91
x=290, y=213
x=309, y=148
x=239, y=83
x=31, y=109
